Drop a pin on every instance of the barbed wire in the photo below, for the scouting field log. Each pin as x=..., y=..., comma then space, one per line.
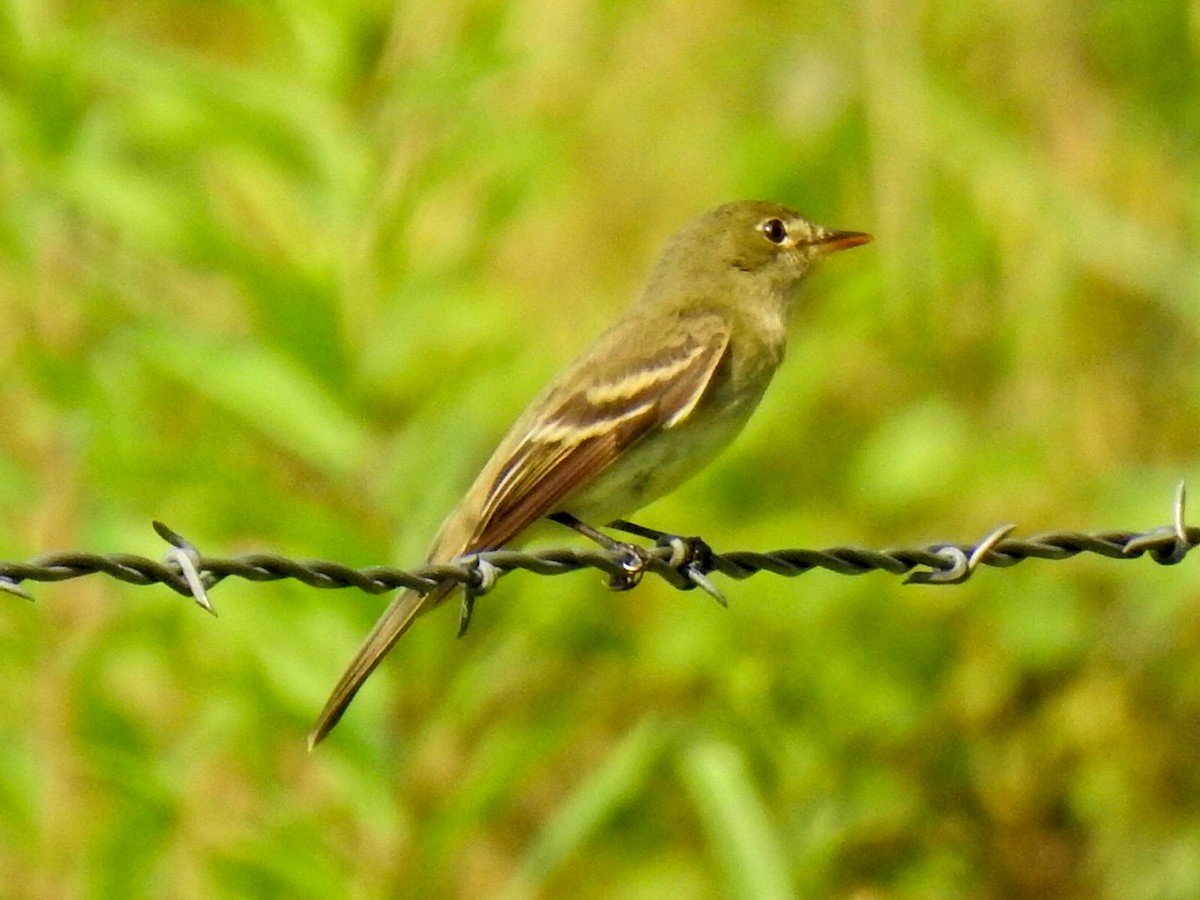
x=683, y=562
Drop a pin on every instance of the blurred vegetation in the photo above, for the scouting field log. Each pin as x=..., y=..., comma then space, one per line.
x=280, y=273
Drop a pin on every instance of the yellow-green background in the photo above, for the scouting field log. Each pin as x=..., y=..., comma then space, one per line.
x=280, y=273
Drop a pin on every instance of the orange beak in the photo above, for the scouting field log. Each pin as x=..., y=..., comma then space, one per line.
x=832, y=241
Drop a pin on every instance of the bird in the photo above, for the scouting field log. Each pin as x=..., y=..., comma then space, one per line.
x=654, y=398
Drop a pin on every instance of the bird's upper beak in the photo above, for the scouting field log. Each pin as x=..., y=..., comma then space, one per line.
x=832, y=241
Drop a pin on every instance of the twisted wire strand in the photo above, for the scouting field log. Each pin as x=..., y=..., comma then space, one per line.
x=682, y=562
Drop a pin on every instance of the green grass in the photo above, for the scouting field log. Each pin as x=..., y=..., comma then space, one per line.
x=280, y=275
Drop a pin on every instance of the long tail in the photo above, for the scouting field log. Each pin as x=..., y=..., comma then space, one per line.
x=391, y=626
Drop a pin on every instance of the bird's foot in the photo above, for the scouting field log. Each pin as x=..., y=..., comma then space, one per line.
x=632, y=558
x=691, y=557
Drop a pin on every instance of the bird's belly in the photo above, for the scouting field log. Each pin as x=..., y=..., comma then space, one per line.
x=656, y=465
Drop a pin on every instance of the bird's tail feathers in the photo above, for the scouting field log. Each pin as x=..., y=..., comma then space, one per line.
x=395, y=620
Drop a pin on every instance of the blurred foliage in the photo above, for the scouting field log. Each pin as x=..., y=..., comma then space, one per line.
x=280, y=273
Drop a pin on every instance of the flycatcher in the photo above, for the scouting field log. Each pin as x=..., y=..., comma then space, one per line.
x=652, y=401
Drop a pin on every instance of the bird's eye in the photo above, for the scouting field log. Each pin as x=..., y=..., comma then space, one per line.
x=774, y=229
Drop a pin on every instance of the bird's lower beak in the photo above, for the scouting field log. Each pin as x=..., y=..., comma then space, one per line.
x=832, y=241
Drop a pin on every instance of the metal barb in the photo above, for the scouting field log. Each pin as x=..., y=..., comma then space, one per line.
x=692, y=558
x=962, y=566
x=184, y=555
x=1169, y=544
x=466, y=609
x=701, y=580
x=8, y=586
x=989, y=543
x=956, y=571
x=1181, y=546
x=484, y=576
x=678, y=547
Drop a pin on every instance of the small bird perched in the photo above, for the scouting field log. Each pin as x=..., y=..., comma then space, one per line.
x=650, y=403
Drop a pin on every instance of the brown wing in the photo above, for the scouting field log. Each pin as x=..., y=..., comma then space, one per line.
x=580, y=436
x=577, y=437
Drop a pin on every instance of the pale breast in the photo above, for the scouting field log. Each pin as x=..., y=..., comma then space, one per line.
x=659, y=463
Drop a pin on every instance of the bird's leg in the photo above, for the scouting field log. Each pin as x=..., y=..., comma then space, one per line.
x=637, y=556
x=640, y=530
x=692, y=557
